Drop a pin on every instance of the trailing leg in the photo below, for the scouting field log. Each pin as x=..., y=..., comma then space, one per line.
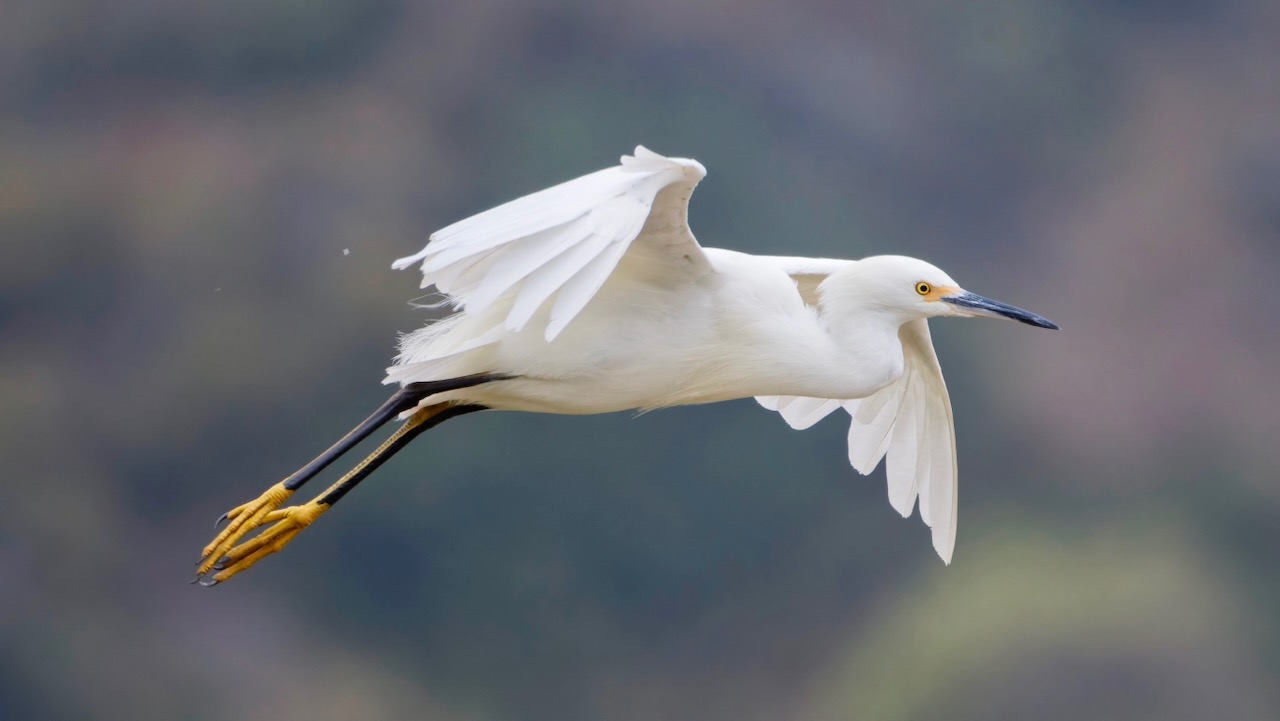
x=243, y=519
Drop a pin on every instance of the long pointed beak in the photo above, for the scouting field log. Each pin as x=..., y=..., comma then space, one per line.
x=974, y=304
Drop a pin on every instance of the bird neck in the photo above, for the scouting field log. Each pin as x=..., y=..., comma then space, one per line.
x=868, y=345
x=864, y=332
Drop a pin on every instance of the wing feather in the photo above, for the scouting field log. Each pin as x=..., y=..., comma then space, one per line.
x=873, y=420
x=904, y=449
x=576, y=292
x=924, y=456
x=798, y=411
x=938, y=482
x=450, y=280
x=909, y=423
x=801, y=413
x=548, y=278
x=566, y=241
x=557, y=205
x=771, y=403
x=521, y=259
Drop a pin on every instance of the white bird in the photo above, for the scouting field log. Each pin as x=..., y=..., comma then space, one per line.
x=593, y=296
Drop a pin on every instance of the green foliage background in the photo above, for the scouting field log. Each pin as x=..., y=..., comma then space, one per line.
x=181, y=324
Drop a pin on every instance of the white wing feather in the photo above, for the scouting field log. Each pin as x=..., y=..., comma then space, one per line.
x=799, y=413
x=565, y=241
x=939, y=493
x=910, y=421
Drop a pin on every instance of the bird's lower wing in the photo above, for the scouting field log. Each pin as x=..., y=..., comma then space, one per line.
x=558, y=246
x=909, y=421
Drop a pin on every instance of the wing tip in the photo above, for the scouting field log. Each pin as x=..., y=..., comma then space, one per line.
x=408, y=260
x=944, y=542
x=644, y=159
x=861, y=468
x=904, y=507
x=554, y=327
x=769, y=402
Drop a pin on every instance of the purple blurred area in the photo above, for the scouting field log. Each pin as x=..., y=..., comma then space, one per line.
x=199, y=204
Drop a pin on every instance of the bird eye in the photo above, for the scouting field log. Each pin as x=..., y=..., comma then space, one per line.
x=923, y=288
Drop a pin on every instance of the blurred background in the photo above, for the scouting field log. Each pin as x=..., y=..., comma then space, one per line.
x=199, y=204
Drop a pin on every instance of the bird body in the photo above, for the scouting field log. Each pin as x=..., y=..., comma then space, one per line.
x=743, y=330
x=593, y=296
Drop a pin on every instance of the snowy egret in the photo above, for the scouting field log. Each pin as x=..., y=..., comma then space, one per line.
x=593, y=296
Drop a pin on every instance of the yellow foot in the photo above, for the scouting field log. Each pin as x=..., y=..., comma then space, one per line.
x=286, y=523
x=240, y=521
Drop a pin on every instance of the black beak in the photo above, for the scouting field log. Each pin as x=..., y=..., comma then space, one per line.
x=974, y=304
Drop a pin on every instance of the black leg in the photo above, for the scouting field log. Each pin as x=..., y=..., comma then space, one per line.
x=228, y=556
x=389, y=449
x=404, y=399
x=245, y=518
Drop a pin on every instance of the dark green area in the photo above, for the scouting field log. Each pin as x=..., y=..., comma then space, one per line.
x=180, y=327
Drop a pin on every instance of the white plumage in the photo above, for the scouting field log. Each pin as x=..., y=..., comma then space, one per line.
x=593, y=296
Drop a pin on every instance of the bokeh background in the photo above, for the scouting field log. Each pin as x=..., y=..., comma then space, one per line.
x=199, y=204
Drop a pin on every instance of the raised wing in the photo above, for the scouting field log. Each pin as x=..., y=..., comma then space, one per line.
x=910, y=421
x=565, y=241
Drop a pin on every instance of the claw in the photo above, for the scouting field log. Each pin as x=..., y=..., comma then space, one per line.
x=244, y=519
x=221, y=520
x=232, y=559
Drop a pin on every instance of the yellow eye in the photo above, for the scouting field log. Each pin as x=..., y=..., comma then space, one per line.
x=923, y=288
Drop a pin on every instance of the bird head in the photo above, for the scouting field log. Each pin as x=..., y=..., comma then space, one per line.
x=910, y=289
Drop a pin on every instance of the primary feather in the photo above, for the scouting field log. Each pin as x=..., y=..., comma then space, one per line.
x=563, y=241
